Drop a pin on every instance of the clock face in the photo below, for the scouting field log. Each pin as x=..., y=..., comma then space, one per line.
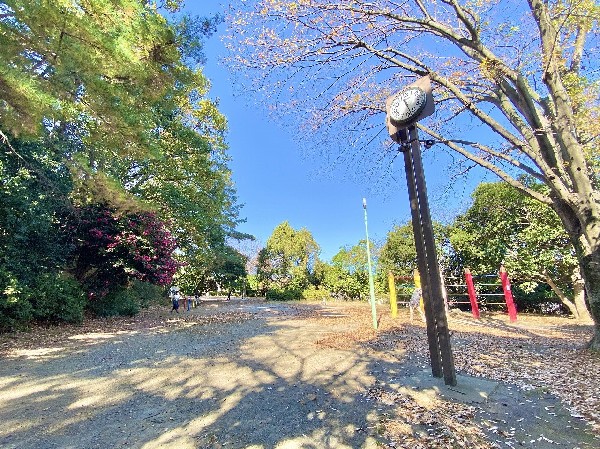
x=407, y=105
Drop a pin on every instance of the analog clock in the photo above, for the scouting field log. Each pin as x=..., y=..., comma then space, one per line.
x=407, y=105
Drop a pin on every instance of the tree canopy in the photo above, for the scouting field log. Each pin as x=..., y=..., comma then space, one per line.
x=101, y=63
x=288, y=260
x=348, y=275
x=520, y=77
x=119, y=84
x=103, y=106
x=399, y=254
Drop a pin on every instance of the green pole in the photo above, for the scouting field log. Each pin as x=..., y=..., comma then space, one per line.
x=371, y=284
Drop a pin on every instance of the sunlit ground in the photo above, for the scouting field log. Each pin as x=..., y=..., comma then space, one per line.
x=274, y=381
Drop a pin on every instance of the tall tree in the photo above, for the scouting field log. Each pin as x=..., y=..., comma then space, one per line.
x=112, y=94
x=230, y=273
x=222, y=269
x=188, y=180
x=120, y=85
x=288, y=259
x=348, y=275
x=115, y=78
x=524, y=73
x=399, y=254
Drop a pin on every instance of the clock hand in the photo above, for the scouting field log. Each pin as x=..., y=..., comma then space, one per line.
x=406, y=108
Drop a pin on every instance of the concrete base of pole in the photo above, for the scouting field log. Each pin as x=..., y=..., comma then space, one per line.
x=468, y=390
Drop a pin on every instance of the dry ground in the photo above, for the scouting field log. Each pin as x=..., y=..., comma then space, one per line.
x=251, y=374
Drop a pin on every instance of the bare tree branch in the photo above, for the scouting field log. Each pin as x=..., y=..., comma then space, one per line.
x=486, y=164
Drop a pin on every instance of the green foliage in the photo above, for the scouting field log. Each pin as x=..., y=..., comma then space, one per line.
x=537, y=298
x=127, y=300
x=122, y=301
x=231, y=270
x=399, y=254
x=105, y=104
x=504, y=226
x=33, y=208
x=313, y=293
x=147, y=294
x=354, y=259
x=57, y=299
x=347, y=277
x=222, y=270
x=288, y=261
x=114, y=83
x=105, y=65
x=188, y=180
x=15, y=309
x=252, y=285
x=284, y=294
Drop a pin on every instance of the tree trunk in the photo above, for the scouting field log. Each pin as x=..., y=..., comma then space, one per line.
x=584, y=232
x=563, y=298
x=591, y=275
x=579, y=296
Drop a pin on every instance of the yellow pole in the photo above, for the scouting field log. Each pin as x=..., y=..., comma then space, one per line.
x=393, y=301
x=417, y=278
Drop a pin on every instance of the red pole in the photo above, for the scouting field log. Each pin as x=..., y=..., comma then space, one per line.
x=508, y=297
x=472, y=294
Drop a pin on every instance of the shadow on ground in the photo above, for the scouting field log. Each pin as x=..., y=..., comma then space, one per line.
x=259, y=383
x=278, y=381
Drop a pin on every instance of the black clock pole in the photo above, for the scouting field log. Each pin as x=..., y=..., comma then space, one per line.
x=438, y=336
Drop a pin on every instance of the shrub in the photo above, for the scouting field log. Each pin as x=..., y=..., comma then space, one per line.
x=113, y=250
x=56, y=298
x=15, y=309
x=120, y=302
x=275, y=294
x=127, y=301
x=316, y=294
x=147, y=294
x=539, y=299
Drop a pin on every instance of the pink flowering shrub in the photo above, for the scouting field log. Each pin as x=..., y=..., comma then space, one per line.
x=113, y=250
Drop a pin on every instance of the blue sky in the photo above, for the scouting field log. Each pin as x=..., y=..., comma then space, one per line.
x=275, y=182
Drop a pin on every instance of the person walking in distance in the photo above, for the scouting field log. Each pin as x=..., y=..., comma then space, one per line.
x=174, y=293
x=415, y=303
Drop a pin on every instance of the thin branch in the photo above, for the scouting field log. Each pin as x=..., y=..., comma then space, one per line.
x=485, y=118
x=462, y=16
x=505, y=157
x=488, y=165
x=579, y=46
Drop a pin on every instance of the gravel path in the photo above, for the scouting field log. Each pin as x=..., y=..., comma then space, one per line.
x=247, y=374
x=244, y=383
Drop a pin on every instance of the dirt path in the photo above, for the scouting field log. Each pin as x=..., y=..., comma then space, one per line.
x=254, y=375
